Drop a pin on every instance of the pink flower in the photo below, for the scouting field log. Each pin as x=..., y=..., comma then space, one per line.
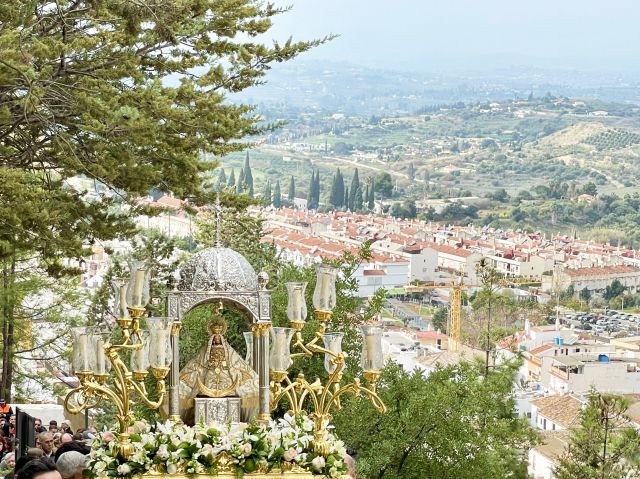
x=108, y=436
x=246, y=449
x=290, y=454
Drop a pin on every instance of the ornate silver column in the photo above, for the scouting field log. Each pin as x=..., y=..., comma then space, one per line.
x=174, y=381
x=261, y=363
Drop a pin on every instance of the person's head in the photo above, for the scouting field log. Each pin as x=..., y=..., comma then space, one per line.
x=12, y=419
x=3, y=402
x=65, y=438
x=39, y=469
x=10, y=459
x=37, y=423
x=3, y=421
x=65, y=426
x=45, y=442
x=34, y=453
x=72, y=446
x=71, y=464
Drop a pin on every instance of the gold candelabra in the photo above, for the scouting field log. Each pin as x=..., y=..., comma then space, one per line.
x=321, y=398
x=99, y=365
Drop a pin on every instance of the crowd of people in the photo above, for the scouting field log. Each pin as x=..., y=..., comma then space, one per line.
x=58, y=452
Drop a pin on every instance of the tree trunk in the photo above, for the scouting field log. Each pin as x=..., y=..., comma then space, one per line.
x=8, y=278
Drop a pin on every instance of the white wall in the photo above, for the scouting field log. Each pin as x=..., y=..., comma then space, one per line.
x=540, y=467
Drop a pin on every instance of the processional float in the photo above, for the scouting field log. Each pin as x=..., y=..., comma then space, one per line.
x=218, y=388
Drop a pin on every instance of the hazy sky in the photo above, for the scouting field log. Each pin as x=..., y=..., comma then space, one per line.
x=454, y=34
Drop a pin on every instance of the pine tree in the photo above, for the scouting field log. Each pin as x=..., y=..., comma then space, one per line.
x=355, y=184
x=82, y=96
x=232, y=179
x=603, y=446
x=371, y=201
x=248, y=176
x=292, y=189
x=277, y=195
x=266, y=196
x=240, y=185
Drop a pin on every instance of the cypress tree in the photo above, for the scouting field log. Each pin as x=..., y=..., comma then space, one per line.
x=412, y=172
x=232, y=178
x=347, y=205
x=240, y=187
x=371, y=200
x=355, y=184
x=340, y=190
x=357, y=200
x=316, y=190
x=248, y=176
x=332, y=193
x=267, y=192
x=277, y=195
x=310, y=194
x=366, y=194
x=222, y=179
x=292, y=189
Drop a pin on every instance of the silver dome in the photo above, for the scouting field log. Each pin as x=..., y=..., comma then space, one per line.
x=217, y=269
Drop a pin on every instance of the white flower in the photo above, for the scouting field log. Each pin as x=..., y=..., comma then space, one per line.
x=246, y=449
x=124, y=469
x=163, y=452
x=172, y=468
x=318, y=463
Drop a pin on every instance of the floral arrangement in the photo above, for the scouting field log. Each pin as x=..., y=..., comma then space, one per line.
x=172, y=448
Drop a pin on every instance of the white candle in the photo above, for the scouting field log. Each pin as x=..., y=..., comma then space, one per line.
x=324, y=290
x=123, y=300
x=140, y=363
x=138, y=284
x=100, y=356
x=161, y=345
x=296, y=301
x=84, y=352
x=371, y=349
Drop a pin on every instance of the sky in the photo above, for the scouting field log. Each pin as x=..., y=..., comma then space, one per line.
x=430, y=35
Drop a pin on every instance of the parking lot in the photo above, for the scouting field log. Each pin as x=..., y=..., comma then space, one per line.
x=608, y=322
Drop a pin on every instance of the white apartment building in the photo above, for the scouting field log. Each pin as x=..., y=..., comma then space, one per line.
x=388, y=273
x=595, y=279
x=581, y=373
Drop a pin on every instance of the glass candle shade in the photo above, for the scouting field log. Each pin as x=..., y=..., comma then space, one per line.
x=140, y=357
x=297, y=306
x=248, y=339
x=332, y=342
x=102, y=363
x=280, y=354
x=120, y=287
x=138, y=290
x=372, y=358
x=83, y=360
x=324, y=295
x=159, y=342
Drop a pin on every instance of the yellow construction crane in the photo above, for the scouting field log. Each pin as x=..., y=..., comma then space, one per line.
x=455, y=300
